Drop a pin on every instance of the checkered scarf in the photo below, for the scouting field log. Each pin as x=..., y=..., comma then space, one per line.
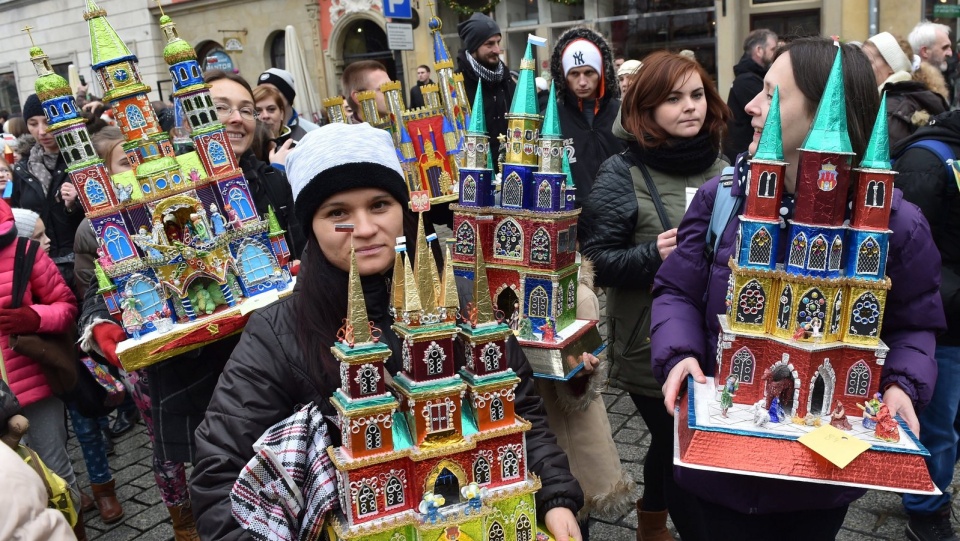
x=286, y=489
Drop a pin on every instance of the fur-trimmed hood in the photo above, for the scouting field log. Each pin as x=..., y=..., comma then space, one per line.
x=610, y=83
x=931, y=77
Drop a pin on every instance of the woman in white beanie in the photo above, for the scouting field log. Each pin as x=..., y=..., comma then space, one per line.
x=340, y=174
x=910, y=103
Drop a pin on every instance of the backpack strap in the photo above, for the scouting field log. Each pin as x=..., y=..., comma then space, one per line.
x=725, y=206
x=939, y=148
x=26, y=253
x=651, y=188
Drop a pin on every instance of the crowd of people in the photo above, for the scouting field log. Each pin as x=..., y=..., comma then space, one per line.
x=646, y=133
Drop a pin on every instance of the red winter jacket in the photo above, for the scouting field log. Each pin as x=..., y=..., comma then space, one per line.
x=48, y=295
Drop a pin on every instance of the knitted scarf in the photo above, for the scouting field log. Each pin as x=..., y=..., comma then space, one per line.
x=679, y=156
x=40, y=163
x=488, y=75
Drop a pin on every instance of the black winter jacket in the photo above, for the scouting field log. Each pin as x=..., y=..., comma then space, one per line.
x=496, y=100
x=269, y=186
x=926, y=182
x=747, y=84
x=267, y=378
x=61, y=224
x=910, y=105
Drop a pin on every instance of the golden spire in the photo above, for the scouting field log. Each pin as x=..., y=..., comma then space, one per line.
x=451, y=301
x=481, y=290
x=426, y=276
x=398, y=276
x=356, y=305
x=411, y=301
x=27, y=29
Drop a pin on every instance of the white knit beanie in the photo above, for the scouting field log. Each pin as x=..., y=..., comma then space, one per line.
x=580, y=53
x=339, y=157
x=26, y=221
x=891, y=52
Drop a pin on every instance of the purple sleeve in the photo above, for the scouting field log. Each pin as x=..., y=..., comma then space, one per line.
x=913, y=315
x=677, y=322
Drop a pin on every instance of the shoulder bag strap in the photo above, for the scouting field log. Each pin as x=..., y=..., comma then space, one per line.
x=26, y=253
x=652, y=188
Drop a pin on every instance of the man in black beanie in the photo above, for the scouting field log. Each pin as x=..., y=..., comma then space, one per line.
x=479, y=62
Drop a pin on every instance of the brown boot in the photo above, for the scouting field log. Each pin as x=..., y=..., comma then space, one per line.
x=79, y=530
x=86, y=502
x=652, y=525
x=184, y=527
x=106, y=498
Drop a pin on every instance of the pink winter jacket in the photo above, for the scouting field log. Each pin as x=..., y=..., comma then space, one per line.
x=50, y=297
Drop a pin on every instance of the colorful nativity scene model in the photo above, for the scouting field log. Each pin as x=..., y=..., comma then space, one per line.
x=528, y=230
x=800, y=343
x=182, y=247
x=435, y=454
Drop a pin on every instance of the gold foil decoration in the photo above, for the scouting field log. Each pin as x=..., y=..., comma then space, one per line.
x=411, y=293
x=451, y=300
x=483, y=306
x=427, y=277
x=398, y=280
x=356, y=306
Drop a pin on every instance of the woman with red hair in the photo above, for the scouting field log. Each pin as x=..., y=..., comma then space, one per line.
x=671, y=119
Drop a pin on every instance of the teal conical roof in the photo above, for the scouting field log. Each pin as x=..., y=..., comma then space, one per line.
x=525, y=97
x=565, y=168
x=105, y=45
x=829, y=131
x=877, y=155
x=478, y=121
x=551, y=118
x=771, y=140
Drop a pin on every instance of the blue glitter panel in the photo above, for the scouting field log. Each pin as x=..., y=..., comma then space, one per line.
x=815, y=251
x=186, y=74
x=758, y=244
x=538, y=300
x=515, y=189
x=867, y=254
x=546, y=191
x=476, y=187
x=60, y=109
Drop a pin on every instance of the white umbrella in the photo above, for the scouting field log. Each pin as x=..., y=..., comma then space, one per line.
x=307, y=102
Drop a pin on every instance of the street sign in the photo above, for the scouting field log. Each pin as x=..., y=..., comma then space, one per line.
x=400, y=36
x=397, y=9
x=940, y=11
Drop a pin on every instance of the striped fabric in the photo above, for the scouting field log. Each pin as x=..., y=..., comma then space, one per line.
x=286, y=489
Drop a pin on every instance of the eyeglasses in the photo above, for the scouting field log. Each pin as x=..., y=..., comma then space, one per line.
x=224, y=112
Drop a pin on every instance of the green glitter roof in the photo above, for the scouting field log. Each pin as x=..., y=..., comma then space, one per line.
x=877, y=155
x=478, y=121
x=771, y=139
x=551, y=118
x=829, y=131
x=105, y=44
x=525, y=97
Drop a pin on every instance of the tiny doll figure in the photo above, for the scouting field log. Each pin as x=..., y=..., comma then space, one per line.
x=472, y=493
x=430, y=506
x=870, y=409
x=131, y=318
x=838, y=418
x=217, y=221
x=199, y=228
x=887, y=428
x=548, y=331
x=233, y=218
x=726, y=395
x=776, y=412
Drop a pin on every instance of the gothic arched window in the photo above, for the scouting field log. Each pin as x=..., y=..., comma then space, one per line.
x=539, y=302
x=496, y=410
x=751, y=303
x=118, y=243
x=366, y=501
x=512, y=190
x=544, y=194
x=868, y=257
x=218, y=156
x=761, y=247
x=481, y=471
x=508, y=240
x=255, y=263
x=818, y=253
x=95, y=193
x=524, y=529
x=469, y=189
x=509, y=465
x=876, y=193
x=135, y=117
x=540, y=246
x=836, y=254
x=394, y=492
x=372, y=437
x=786, y=306
x=798, y=250
x=743, y=365
x=466, y=239
x=858, y=379
x=240, y=203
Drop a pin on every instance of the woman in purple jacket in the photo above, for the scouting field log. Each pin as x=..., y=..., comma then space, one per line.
x=690, y=291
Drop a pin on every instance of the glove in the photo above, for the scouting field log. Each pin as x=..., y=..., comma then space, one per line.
x=23, y=320
x=107, y=336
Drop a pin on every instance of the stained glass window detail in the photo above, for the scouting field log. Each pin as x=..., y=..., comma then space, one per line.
x=751, y=303
x=509, y=465
x=539, y=302
x=496, y=410
x=394, y=492
x=812, y=307
x=798, y=250
x=868, y=257
x=366, y=501
x=240, y=203
x=372, y=437
x=434, y=357
x=508, y=240
x=466, y=239
x=761, y=247
x=786, y=305
x=491, y=357
x=540, y=247
x=512, y=190
x=148, y=300
x=544, y=194
x=255, y=263
x=837, y=314
x=858, y=379
x=524, y=529
x=95, y=193
x=865, y=315
x=118, y=244
x=469, y=189
x=742, y=365
x=836, y=254
x=571, y=295
x=218, y=156
x=135, y=117
x=818, y=253
x=481, y=471
x=496, y=532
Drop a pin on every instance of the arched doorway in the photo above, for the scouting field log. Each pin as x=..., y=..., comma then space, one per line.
x=364, y=39
x=212, y=55
x=509, y=303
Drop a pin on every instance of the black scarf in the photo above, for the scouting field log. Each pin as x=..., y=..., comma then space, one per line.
x=679, y=156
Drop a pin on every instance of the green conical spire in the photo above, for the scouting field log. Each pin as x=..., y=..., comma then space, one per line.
x=525, y=97
x=103, y=283
x=551, y=119
x=478, y=121
x=275, y=229
x=105, y=44
x=770, y=146
x=829, y=131
x=877, y=155
x=565, y=168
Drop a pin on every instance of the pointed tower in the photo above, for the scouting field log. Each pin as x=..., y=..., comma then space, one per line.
x=570, y=191
x=547, y=191
x=871, y=207
x=523, y=127
x=450, y=89
x=476, y=172
x=335, y=110
x=823, y=173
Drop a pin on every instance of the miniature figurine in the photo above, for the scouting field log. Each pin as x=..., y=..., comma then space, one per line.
x=199, y=228
x=217, y=221
x=887, y=428
x=124, y=192
x=548, y=331
x=726, y=395
x=838, y=419
x=159, y=236
x=233, y=217
x=760, y=415
x=143, y=231
x=815, y=325
x=525, y=330
x=776, y=412
x=131, y=318
x=515, y=316
x=473, y=494
x=194, y=175
x=170, y=228
x=105, y=260
x=204, y=301
x=870, y=409
x=430, y=506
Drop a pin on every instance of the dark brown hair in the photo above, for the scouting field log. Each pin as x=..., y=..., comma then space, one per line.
x=652, y=85
x=210, y=76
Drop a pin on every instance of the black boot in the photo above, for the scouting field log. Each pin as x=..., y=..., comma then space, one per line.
x=933, y=527
x=126, y=419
